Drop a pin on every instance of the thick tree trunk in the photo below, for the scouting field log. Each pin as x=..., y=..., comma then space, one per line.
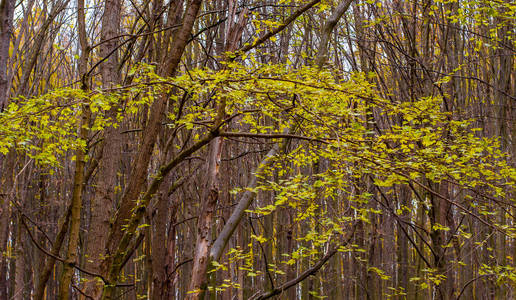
x=198, y=282
x=102, y=203
x=114, y=248
x=139, y=169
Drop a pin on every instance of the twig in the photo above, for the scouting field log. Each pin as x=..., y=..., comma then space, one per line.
x=306, y=273
x=82, y=292
x=179, y=265
x=271, y=136
x=470, y=282
x=276, y=30
x=57, y=257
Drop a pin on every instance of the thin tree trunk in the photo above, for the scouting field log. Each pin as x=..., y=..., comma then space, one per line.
x=75, y=216
x=7, y=163
x=19, y=271
x=29, y=64
x=6, y=30
x=201, y=260
x=39, y=292
x=402, y=240
x=159, y=251
x=6, y=25
x=80, y=162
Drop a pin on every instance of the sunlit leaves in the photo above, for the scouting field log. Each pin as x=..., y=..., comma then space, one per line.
x=45, y=127
x=326, y=180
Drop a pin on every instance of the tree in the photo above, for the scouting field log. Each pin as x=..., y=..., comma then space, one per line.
x=233, y=149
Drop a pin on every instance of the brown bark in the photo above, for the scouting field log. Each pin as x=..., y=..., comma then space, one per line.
x=120, y=257
x=35, y=50
x=102, y=202
x=19, y=272
x=76, y=204
x=6, y=24
x=139, y=167
x=65, y=281
x=159, y=249
x=327, y=29
x=44, y=276
x=6, y=30
x=210, y=197
x=403, y=258
x=198, y=283
x=7, y=164
x=170, y=267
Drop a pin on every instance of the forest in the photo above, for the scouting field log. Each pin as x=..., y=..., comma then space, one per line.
x=257, y=149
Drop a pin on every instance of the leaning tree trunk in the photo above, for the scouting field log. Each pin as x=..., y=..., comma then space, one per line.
x=116, y=245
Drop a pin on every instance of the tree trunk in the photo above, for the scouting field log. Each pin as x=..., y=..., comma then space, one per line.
x=114, y=249
x=80, y=162
x=159, y=251
x=198, y=282
x=19, y=272
x=6, y=25
x=102, y=203
x=6, y=30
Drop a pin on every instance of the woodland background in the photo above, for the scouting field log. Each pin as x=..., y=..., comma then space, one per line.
x=240, y=149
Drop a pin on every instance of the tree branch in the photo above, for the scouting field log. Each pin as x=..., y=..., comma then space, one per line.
x=278, y=29
x=306, y=273
x=271, y=136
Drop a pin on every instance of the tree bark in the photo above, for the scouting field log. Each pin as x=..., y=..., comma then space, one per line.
x=159, y=250
x=7, y=163
x=19, y=272
x=198, y=282
x=327, y=29
x=6, y=25
x=139, y=167
x=102, y=202
x=6, y=30
x=80, y=162
x=29, y=64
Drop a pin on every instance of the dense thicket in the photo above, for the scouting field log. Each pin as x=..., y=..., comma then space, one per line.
x=257, y=149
